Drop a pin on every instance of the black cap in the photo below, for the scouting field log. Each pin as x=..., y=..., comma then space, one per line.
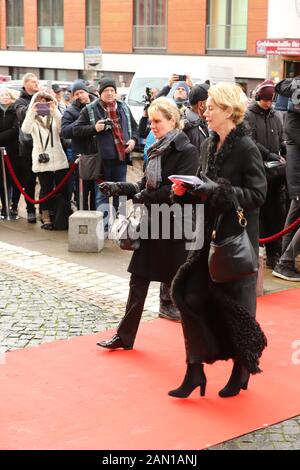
x=199, y=92
x=105, y=83
x=56, y=88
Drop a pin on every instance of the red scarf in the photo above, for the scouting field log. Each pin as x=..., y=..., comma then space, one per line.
x=117, y=130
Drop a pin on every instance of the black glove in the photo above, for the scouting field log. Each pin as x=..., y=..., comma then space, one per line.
x=109, y=189
x=138, y=198
x=274, y=157
x=205, y=189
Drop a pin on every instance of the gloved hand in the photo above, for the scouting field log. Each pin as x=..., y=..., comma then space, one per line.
x=206, y=189
x=138, y=198
x=109, y=188
x=274, y=157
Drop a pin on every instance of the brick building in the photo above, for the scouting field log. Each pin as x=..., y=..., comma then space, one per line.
x=49, y=36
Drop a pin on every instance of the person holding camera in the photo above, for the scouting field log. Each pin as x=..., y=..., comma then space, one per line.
x=116, y=133
x=49, y=162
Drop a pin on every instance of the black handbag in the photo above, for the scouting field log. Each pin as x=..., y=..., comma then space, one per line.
x=90, y=166
x=125, y=231
x=234, y=257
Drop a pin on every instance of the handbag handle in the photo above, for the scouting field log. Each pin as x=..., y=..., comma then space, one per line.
x=240, y=216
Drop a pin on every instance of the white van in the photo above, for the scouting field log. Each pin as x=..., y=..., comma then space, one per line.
x=157, y=76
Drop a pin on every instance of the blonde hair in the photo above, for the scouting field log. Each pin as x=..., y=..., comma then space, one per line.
x=227, y=95
x=12, y=93
x=168, y=109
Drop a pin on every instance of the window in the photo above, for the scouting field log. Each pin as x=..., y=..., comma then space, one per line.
x=150, y=24
x=227, y=25
x=92, y=23
x=50, y=23
x=15, y=23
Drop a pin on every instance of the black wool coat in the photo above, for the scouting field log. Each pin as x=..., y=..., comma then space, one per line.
x=159, y=259
x=219, y=319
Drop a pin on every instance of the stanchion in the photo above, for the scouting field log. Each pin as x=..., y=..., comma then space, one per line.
x=3, y=154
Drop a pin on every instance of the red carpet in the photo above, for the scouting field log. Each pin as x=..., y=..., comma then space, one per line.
x=74, y=395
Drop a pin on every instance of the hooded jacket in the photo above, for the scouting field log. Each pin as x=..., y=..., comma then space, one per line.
x=36, y=125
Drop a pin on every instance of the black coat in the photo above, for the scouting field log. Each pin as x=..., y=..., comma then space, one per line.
x=159, y=260
x=221, y=324
x=21, y=107
x=9, y=131
x=194, y=127
x=292, y=130
x=266, y=130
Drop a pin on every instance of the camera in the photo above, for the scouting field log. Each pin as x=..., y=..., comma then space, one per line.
x=147, y=97
x=108, y=123
x=181, y=78
x=44, y=158
x=43, y=109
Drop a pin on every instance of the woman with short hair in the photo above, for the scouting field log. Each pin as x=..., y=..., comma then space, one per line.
x=157, y=259
x=218, y=319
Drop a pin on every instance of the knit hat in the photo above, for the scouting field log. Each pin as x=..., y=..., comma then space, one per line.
x=265, y=90
x=56, y=88
x=79, y=85
x=106, y=82
x=198, y=93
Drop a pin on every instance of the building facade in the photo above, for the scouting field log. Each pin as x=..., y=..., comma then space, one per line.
x=49, y=37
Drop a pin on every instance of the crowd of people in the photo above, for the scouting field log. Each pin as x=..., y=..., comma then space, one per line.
x=215, y=132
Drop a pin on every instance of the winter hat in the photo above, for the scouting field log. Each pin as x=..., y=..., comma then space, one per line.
x=265, y=90
x=56, y=88
x=198, y=93
x=182, y=85
x=79, y=85
x=106, y=82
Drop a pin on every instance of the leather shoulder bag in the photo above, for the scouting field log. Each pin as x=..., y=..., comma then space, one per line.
x=234, y=257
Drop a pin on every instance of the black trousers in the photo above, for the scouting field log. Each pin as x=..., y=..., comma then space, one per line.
x=28, y=180
x=272, y=217
x=138, y=289
x=48, y=180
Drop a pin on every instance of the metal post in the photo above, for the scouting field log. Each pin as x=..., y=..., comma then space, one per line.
x=3, y=153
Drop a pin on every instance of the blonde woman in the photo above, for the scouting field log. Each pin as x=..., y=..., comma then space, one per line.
x=218, y=320
x=156, y=259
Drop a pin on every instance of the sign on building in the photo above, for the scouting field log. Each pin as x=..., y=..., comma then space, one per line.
x=93, y=58
x=278, y=47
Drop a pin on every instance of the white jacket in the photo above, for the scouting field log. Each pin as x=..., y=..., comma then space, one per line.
x=31, y=125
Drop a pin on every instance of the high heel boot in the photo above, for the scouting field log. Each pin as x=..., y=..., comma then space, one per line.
x=194, y=378
x=238, y=380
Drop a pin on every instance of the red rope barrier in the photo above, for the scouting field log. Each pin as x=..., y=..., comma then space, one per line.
x=291, y=227
x=48, y=196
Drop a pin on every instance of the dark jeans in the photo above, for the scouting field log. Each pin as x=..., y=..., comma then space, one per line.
x=291, y=241
x=48, y=181
x=138, y=289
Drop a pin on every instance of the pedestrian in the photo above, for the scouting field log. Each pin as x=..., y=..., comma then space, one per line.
x=49, y=161
x=218, y=320
x=266, y=130
x=157, y=259
x=116, y=132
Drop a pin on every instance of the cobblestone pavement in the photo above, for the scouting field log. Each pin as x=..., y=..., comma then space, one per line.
x=44, y=299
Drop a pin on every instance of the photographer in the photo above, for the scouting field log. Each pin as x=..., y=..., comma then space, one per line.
x=43, y=122
x=116, y=132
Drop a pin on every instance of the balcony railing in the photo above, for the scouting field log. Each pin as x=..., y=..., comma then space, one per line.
x=15, y=36
x=150, y=37
x=92, y=36
x=226, y=37
x=50, y=36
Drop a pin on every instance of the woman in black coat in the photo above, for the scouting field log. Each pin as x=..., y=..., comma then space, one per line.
x=218, y=320
x=157, y=259
x=9, y=132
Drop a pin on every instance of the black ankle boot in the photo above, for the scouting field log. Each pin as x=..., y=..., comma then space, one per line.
x=238, y=380
x=194, y=378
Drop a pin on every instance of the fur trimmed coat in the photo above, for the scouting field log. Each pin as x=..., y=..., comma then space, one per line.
x=218, y=320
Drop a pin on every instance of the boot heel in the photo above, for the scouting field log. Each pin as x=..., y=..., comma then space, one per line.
x=202, y=389
x=245, y=385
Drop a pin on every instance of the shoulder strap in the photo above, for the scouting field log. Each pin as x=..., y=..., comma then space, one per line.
x=127, y=114
x=91, y=111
